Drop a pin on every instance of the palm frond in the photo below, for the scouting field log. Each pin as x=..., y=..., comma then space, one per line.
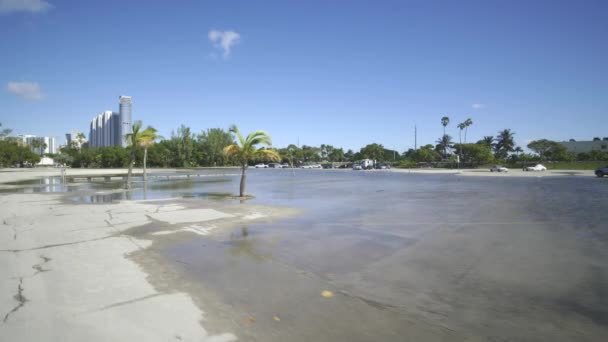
x=234, y=129
x=259, y=137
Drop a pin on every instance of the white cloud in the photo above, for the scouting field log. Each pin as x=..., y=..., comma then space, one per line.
x=224, y=40
x=28, y=90
x=478, y=105
x=33, y=6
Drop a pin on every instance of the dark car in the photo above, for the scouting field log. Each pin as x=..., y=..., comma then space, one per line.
x=601, y=171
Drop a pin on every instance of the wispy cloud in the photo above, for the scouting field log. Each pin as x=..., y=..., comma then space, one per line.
x=28, y=90
x=224, y=40
x=32, y=6
x=478, y=105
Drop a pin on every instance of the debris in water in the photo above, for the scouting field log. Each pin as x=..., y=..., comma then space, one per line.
x=327, y=294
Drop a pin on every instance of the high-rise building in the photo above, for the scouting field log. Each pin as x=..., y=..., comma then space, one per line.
x=104, y=130
x=39, y=145
x=125, y=103
x=109, y=128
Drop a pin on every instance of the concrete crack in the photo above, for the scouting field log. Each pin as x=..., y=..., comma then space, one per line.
x=129, y=301
x=18, y=297
x=55, y=245
x=38, y=267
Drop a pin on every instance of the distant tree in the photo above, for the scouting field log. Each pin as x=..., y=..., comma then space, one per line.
x=12, y=153
x=467, y=123
x=597, y=139
x=80, y=138
x=517, y=151
x=475, y=153
x=445, y=143
x=444, y=122
x=336, y=155
x=487, y=140
x=552, y=150
x=349, y=155
x=4, y=132
x=425, y=153
x=245, y=149
x=373, y=151
x=183, y=145
x=505, y=143
x=212, y=143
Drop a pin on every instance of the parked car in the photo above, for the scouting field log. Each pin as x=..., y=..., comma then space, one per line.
x=601, y=171
x=357, y=167
x=537, y=167
x=261, y=166
x=285, y=166
x=498, y=168
x=382, y=166
x=306, y=166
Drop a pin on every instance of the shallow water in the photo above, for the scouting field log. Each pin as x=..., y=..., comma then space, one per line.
x=411, y=257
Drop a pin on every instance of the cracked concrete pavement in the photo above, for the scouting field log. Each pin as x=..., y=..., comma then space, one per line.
x=66, y=275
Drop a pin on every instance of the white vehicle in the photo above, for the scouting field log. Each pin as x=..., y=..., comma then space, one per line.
x=316, y=166
x=306, y=167
x=261, y=166
x=498, y=168
x=357, y=167
x=367, y=164
x=537, y=167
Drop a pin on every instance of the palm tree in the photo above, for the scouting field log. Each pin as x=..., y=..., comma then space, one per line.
x=36, y=145
x=146, y=139
x=245, y=150
x=132, y=139
x=487, y=140
x=518, y=150
x=80, y=138
x=444, y=143
x=467, y=123
x=504, y=143
x=445, y=121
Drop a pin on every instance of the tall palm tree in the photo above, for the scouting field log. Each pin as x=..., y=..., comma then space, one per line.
x=445, y=121
x=467, y=123
x=444, y=143
x=246, y=149
x=146, y=139
x=461, y=126
x=132, y=139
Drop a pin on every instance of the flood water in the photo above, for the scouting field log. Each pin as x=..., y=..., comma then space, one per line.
x=406, y=257
x=411, y=257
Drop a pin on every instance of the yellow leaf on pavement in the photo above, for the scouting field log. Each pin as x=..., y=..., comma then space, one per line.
x=327, y=294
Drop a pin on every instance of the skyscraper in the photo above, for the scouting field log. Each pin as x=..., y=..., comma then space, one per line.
x=125, y=117
x=104, y=130
x=109, y=128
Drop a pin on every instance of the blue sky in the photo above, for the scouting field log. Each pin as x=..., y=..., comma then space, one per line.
x=345, y=73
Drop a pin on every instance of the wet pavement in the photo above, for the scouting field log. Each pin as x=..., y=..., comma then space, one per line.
x=405, y=257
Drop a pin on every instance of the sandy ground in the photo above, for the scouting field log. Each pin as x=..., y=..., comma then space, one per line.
x=66, y=276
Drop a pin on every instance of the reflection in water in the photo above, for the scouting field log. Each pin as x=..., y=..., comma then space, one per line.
x=241, y=245
x=94, y=190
